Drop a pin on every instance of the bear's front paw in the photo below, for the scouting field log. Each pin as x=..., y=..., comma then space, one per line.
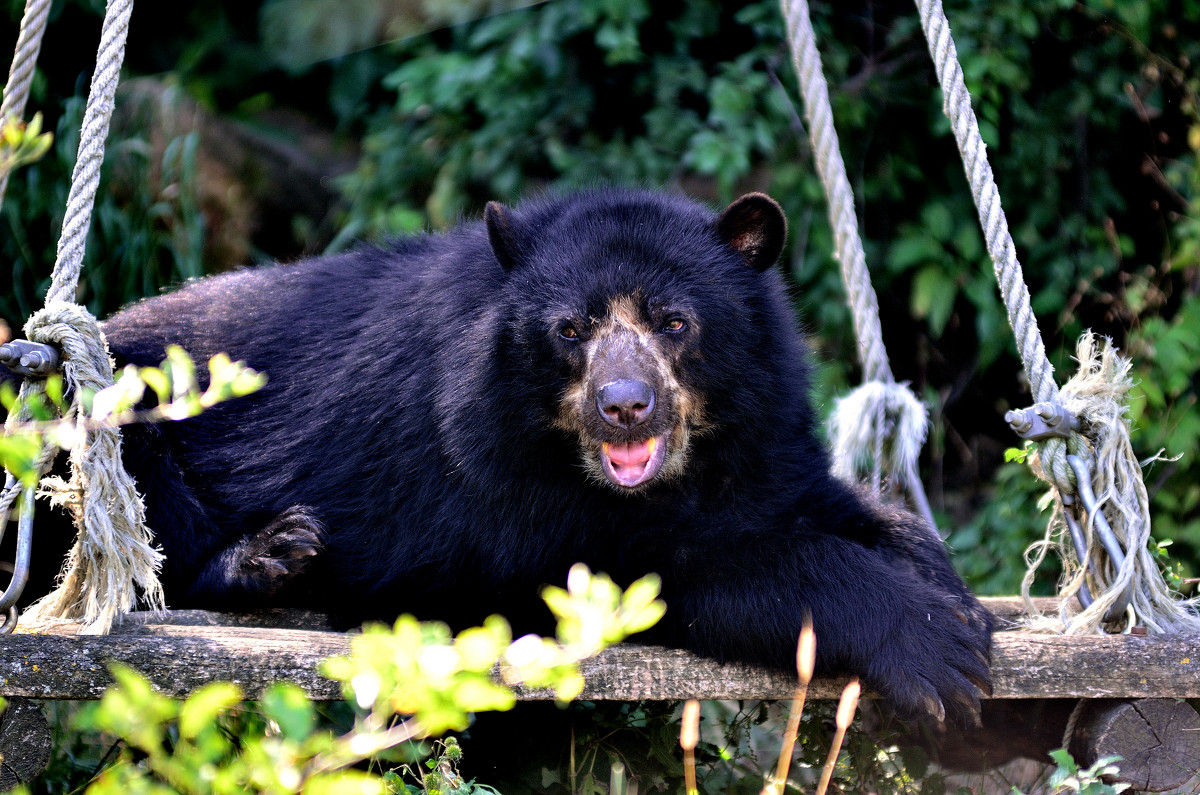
x=280, y=551
x=936, y=660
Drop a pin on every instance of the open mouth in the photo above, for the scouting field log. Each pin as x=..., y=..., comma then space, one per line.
x=631, y=464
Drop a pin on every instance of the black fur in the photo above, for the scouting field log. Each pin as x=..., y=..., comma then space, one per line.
x=410, y=411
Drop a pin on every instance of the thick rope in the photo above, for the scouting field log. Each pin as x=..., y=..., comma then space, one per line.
x=20, y=73
x=86, y=177
x=881, y=424
x=832, y=170
x=113, y=558
x=957, y=107
x=1096, y=396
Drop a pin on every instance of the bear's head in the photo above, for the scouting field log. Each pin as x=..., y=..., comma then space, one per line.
x=640, y=322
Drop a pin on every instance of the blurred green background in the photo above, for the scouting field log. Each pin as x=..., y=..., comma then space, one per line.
x=282, y=128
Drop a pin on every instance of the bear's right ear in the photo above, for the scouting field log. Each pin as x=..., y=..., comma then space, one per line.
x=755, y=227
x=501, y=235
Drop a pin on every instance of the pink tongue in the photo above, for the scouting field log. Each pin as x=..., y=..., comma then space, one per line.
x=629, y=454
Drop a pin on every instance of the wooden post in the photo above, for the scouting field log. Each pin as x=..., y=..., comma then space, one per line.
x=1158, y=740
x=24, y=743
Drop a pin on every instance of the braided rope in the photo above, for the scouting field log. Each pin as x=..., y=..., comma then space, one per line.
x=113, y=558
x=880, y=421
x=832, y=170
x=114, y=551
x=85, y=179
x=20, y=73
x=957, y=107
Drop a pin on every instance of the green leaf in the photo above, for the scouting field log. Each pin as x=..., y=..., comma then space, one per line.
x=1018, y=454
x=54, y=391
x=182, y=372
x=480, y=694
x=938, y=221
x=645, y=618
x=911, y=250
x=480, y=647
x=204, y=706
x=290, y=708
x=642, y=592
x=19, y=453
x=933, y=294
x=158, y=381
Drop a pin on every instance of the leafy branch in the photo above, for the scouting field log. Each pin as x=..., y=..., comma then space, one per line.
x=55, y=421
x=212, y=743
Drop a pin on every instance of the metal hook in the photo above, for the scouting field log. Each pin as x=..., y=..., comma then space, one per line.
x=1083, y=482
x=1077, y=538
x=20, y=576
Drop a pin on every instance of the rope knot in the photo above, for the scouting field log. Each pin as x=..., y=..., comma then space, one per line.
x=76, y=333
x=1050, y=463
x=873, y=412
x=113, y=558
x=1113, y=503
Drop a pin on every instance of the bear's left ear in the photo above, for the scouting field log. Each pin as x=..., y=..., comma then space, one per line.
x=755, y=227
x=501, y=235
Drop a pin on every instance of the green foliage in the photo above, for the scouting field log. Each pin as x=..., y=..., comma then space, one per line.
x=174, y=384
x=214, y=743
x=442, y=777
x=1068, y=777
x=21, y=143
x=147, y=228
x=418, y=668
x=568, y=92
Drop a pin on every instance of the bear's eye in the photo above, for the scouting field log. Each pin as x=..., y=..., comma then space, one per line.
x=675, y=325
x=568, y=332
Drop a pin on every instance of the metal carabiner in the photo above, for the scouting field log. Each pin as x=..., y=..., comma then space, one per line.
x=20, y=576
x=1083, y=482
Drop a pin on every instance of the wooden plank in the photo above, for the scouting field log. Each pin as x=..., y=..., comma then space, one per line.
x=179, y=658
x=65, y=667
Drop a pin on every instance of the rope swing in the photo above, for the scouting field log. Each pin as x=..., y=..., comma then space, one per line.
x=1084, y=451
x=113, y=559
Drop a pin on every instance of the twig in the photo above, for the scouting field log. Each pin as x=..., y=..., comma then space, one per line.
x=845, y=714
x=806, y=654
x=689, y=737
x=364, y=746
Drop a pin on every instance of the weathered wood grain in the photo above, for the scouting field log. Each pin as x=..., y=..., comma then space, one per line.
x=1158, y=740
x=24, y=743
x=180, y=657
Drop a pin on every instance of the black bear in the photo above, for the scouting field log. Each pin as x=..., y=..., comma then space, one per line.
x=615, y=377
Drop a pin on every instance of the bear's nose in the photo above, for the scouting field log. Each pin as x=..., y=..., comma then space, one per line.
x=625, y=403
